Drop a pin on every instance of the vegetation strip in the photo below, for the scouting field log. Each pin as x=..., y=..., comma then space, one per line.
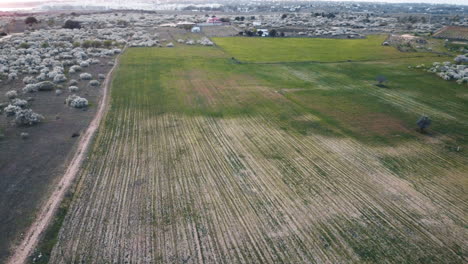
x=50, y=207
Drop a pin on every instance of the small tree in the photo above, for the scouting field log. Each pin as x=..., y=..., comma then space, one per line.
x=30, y=21
x=381, y=79
x=260, y=33
x=71, y=24
x=423, y=123
x=107, y=43
x=282, y=34
x=284, y=16
x=273, y=33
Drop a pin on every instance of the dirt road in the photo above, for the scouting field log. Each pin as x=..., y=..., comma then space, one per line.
x=48, y=210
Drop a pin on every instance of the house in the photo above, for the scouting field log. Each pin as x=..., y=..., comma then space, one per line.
x=196, y=30
x=214, y=20
x=265, y=32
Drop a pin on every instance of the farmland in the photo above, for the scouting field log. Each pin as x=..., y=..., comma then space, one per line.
x=202, y=159
x=266, y=50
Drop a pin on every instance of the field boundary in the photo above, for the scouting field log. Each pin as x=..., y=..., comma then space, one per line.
x=50, y=207
x=332, y=62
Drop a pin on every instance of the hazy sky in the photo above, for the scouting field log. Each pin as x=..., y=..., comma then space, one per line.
x=459, y=2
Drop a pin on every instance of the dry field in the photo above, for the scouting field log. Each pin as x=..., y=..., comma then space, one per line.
x=202, y=160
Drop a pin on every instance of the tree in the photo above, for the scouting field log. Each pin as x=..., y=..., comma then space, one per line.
x=423, y=123
x=225, y=20
x=282, y=34
x=273, y=33
x=71, y=24
x=260, y=33
x=381, y=79
x=107, y=43
x=284, y=16
x=30, y=21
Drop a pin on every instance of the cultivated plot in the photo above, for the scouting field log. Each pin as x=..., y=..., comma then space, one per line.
x=273, y=50
x=203, y=160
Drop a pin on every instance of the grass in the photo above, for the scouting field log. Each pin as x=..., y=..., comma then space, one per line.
x=273, y=50
x=207, y=160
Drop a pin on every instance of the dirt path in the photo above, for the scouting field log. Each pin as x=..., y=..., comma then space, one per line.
x=48, y=210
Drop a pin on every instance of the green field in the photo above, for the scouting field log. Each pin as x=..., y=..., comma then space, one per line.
x=268, y=50
x=205, y=160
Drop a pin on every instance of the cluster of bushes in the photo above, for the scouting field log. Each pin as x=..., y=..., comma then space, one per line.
x=253, y=32
x=17, y=108
x=95, y=43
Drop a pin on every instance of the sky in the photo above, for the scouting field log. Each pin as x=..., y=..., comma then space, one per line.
x=458, y=2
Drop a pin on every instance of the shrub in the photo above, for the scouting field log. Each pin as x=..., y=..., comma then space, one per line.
x=76, y=101
x=11, y=94
x=71, y=24
x=27, y=117
x=423, y=123
x=101, y=76
x=45, y=86
x=29, y=79
x=30, y=20
x=24, y=45
x=73, y=82
x=59, y=78
x=30, y=88
x=73, y=89
x=19, y=102
x=96, y=44
x=107, y=43
x=94, y=83
x=45, y=45
x=58, y=92
x=85, y=76
x=86, y=44
x=11, y=110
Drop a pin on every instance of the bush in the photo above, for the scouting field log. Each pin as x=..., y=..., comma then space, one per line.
x=86, y=76
x=71, y=24
x=11, y=94
x=86, y=44
x=73, y=89
x=45, y=45
x=94, y=83
x=76, y=101
x=11, y=110
x=59, y=78
x=19, y=102
x=96, y=44
x=30, y=88
x=27, y=117
x=45, y=86
x=30, y=20
x=24, y=45
x=107, y=43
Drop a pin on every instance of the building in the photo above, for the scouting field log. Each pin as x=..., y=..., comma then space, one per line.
x=265, y=32
x=214, y=20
